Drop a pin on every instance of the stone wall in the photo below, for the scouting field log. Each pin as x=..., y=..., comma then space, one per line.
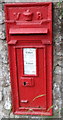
x=5, y=89
x=62, y=56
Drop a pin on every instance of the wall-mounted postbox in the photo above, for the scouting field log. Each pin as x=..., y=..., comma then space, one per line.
x=29, y=39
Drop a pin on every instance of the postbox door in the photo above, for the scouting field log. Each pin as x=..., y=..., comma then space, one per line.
x=31, y=64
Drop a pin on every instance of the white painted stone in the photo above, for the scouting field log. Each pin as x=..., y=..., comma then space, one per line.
x=1, y=114
x=2, y=35
x=1, y=17
x=12, y=115
x=1, y=1
x=16, y=116
x=1, y=45
x=36, y=0
x=57, y=70
x=6, y=92
x=7, y=99
x=7, y=104
x=56, y=107
x=59, y=63
x=1, y=111
x=59, y=53
x=0, y=92
x=9, y=1
x=4, y=57
x=0, y=95
x=31, y=1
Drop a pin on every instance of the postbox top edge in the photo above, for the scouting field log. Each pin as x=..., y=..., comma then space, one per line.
x=27, y=3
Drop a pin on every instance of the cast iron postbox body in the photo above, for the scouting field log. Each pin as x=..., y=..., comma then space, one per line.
x=29, y=39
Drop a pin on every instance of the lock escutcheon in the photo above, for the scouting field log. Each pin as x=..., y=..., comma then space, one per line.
x=26, y=82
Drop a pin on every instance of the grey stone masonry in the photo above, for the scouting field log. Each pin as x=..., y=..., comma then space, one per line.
x=11, y=1
x=5, y=85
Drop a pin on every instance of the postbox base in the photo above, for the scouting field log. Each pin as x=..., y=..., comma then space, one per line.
x=33, y=113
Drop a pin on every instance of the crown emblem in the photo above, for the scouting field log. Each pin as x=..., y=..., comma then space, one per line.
x=28, y=15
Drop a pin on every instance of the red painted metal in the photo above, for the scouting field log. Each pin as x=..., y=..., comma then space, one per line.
x=29, y=32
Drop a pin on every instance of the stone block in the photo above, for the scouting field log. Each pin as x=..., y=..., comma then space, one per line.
x=1, y=17
x=2, y=35
x=31, y=1
x=57, y=70
x=9, y=1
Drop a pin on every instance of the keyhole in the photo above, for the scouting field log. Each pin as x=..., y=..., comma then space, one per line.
x=24, y=83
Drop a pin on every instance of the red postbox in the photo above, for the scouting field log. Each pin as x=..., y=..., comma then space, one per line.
x=29, y=39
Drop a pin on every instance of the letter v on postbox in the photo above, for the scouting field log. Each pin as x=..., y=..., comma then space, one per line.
x=29, y=39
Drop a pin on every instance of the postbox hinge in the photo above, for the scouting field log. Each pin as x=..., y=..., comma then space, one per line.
x=12, y=42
